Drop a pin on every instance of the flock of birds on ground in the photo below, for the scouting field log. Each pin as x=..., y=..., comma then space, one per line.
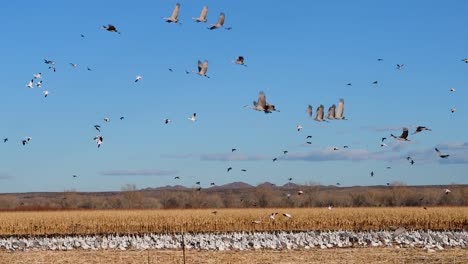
x=335, y=112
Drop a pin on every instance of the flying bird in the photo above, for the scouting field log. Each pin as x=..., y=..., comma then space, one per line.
x=110, y=28
x=383, y=139
x=442, y=155
x=340, y=110
x=275, y=159
x=137, y=78
x=99, y=139
x=202, y=17
x=335, y=148
x=39, y=84
x=50, y=62
x=232, y=150
x=331, y=112
x=309, y=142
x=229, y=169
x=46, y=93
x=372, y=174
x=262, y=105
x=420, y=129
x=167, y=121
x=30, y=84
x=299, y=127
x=202, y=68
x=309, y=111
x=285, y=152
x=107, y=120
x=174, y=18
x=244, y=170
x=404, y=135
x=219, y=24
x=375, y=82
x=240, y=61
x=212, y=184
x=82, y=35
x=400, y=66
x=37, y=76
x=74, y=176
x=465, y=60
x=453, y=90
x=412, y=162
x=122, y=118
x=453, y=110
x=97, y=127
x=319, y=114
x=193, y=118
x=5, y=140
x=308, y=137
x=73, y=65
x=383, y=144
x=379, y=59
x=176, y=178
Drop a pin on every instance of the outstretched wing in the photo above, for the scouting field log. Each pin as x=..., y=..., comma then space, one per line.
x=204, y=68
x=204, y=13
x=331, y=112
x=437, y=150
x=319, y=116
x=340, y=110
x=405, y=133
x=200, y=66
x=221, y=19
x=309, y=111
x=261, y=100
x=175, y=13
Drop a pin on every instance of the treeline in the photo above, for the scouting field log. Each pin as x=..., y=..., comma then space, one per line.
x=262, y=197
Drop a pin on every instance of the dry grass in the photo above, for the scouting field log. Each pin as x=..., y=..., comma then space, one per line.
x=169, y=221
x=348, y=255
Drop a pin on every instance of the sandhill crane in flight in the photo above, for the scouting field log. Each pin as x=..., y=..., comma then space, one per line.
x=202, y=68
x=229, y=169
x=176, y=178
x=110, y=28
x=372, y=174
x=319, y=114
x=174, y=18
x=240, y=61
x=309, y=111
x=442, y=155
x=285, y=152
x=262, y=105
x=220, y=22
x=404, y=135
x=234, y=149
x=340, y=110
x=202, y=17
x=420, y=129
x=331, y=112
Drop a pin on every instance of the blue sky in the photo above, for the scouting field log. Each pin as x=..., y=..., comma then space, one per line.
x=297, y=54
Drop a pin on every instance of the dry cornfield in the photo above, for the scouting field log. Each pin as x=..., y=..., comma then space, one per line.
x=225, y=220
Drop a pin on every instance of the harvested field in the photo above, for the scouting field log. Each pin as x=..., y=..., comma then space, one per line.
x=349, y=255
x=229, y=220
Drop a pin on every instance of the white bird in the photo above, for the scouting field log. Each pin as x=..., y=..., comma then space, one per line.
x=137, y=78
x=335, y=148
x=39, y=84
x=50, y=62
x=300, y=192
x=447, y=191
x=99, y=140
x=106, y=119
x=453, y=90
x=220, y=22
x=167, y=121
x=273, y=216
x=442, y=155
x=30, y=84
x=202, y=17
x=400, y=66
x=73, y=65
x=340, y=110
x=46, y=93
x=193, y=118
x=174, y=18
x=287, y=215
x=453, y=110
x=465, y=60
x=383, y=145
x=256, y=222
x=37, y=76
x=299, y=127
x=330, y=207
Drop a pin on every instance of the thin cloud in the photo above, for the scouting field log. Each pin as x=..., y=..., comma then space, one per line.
x=382, y=128
x=138, y=172
x=231, y=157
x=178, y=156
x=4, y=176
x=336, y=155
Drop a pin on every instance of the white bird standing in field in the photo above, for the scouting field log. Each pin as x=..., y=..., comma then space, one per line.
x=193, y=118
x=30, y=84
x=137, y=78
x=447, y=191
x=174, y=18
x=202, y=17
x=218, y=24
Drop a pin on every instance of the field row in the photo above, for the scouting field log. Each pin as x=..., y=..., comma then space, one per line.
x=225, y=220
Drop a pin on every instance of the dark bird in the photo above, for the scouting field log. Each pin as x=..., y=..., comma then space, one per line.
x=412, y=162
x=308, y=137
x=375, y=82
x=240, y=61
x=176, y=178
x=232, y=150
x=167, y=121
x=199, y=189
x=290, y=179
x=5, y=140
x=197, y=183
x=244, y=170
x=379, y=59
x=399, y=66
x=74, y=176
x=442, y=155
x=212, y=184
x=82, y=35
x=99, y=140
x=88, y=68
x=465, y=60
x=338, y=184
x=275, y=159
x=50, y=62
x=285, y=152
x=349, y=84
x=97, y=127
x=122, y=118
x=404, y=135
x=262, y=105
x=408, y=158
x=389, y=167
x=372, y=174
x=420, y=129
x=110, y=28
x=229, y=169
x=384, y=138
x=309, y=111
x=309, y=142
x=345, y=146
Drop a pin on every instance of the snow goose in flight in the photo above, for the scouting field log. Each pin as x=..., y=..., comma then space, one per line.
x=137, y=78
x=37, y=76
x=442, y=155
x=193, y=118
x=202, y=17
x=30, y=84
x=99, y=139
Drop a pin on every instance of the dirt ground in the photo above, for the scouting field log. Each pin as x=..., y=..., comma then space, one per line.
x=348, y=255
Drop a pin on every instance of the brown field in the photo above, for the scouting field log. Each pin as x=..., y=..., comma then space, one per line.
x=344, y=255
x=204, y=220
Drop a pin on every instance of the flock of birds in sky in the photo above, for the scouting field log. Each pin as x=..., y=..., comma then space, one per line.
x=335, y=112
